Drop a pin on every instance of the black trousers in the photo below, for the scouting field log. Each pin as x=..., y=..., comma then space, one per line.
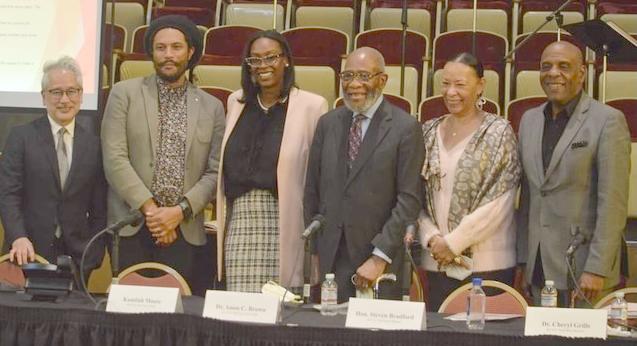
x=440, y=285
x=194, y=263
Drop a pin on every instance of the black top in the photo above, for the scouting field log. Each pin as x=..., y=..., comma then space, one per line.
x=252, y=151
x=554, y=128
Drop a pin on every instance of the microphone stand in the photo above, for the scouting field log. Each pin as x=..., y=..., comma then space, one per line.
x=549, y=18
x=474, y=27
x=403, y=47
x=274, y=3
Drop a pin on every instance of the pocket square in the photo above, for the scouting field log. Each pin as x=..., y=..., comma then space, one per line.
x=579, y=144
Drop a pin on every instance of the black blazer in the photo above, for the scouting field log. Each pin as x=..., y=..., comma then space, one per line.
x=32, y=202
x=381, y=194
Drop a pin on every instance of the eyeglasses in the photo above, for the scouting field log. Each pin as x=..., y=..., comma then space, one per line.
x=269, y=60
x=57, y=94
x=348, y=76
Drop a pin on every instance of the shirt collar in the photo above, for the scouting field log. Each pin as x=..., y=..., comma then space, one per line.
x=567, y=111
x=369, y=113
x=55, y=127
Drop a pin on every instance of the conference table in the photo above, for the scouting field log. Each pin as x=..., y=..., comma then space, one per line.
x=74, y=320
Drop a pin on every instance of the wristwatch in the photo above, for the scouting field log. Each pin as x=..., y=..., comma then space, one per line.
x=185, y=208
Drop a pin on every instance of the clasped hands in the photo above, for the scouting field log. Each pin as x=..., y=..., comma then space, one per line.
x=162, y=222
x=441, y=253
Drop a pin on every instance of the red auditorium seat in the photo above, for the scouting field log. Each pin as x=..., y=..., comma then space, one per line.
x=220, y=93
x=615, y=6
x=115, y=34
x=224, y=45
x=388, y=42
x=516, y=108
x=138, y=39
x=200, y=16
x=317, y=46
x=433, y=107
x=629, y=108
x=490, y=50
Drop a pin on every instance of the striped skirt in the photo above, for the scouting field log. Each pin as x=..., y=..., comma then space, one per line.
x=252, y=242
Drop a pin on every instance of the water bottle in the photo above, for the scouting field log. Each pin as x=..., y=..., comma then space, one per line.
x=306, y=293
x=549, y=295
x=618, y=311
x=476, y=302
x=329, y=296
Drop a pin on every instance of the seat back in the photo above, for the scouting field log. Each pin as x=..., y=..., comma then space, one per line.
x=227, y=41
x=130, y=15
x=135, y=68
x=258, y=15
x=419, y=20
x=220, y=93
x=220, y=76
x=335, y=17
x=489, y=20
x=317, y=79
x=531, y=20
x=517, y=107
x=317, y=46
x=507, y=302
x=619, y=84
x=170, y=278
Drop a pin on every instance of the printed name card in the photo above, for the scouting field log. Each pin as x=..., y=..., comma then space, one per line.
x=141, y=299
x=386, y=314
x=573, y=323
x=241, y=307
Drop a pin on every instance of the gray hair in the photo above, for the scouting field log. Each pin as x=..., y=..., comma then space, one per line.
x=63, y=63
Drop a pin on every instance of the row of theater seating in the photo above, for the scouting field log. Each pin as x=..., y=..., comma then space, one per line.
x=321, y=50
x=507, y=18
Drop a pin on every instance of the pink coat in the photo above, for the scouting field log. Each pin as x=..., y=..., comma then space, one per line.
x=304, y=111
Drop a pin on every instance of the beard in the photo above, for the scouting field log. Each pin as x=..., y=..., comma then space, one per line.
x=172, y=77
x=370, y=99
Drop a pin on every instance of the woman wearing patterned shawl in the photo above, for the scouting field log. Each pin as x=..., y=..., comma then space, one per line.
x=471, y=174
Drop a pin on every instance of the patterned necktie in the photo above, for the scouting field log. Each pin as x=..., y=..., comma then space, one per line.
x=355, y=137
x=63, y=161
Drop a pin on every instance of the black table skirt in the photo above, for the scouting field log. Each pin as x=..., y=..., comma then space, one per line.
x=74, y=322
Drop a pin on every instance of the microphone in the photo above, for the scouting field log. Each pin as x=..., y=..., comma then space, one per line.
x=407, y=265
x=134, y=218
x=579, y=238
x=317, y=223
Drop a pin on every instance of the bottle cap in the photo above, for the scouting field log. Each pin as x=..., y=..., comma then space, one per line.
x=619, y=294
x=549, y=283
x=477, y=281
x=329, y=276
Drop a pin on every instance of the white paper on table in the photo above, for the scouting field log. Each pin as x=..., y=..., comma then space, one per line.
x=462, y=316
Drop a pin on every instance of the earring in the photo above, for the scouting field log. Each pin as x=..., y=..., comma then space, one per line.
x=287, y=65
x=480, y=102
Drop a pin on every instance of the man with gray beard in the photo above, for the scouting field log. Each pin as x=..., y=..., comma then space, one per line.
x=364, y=178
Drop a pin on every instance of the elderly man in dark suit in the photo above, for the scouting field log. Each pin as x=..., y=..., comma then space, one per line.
x=364, y=178
x=576, y=157
x=52, y=187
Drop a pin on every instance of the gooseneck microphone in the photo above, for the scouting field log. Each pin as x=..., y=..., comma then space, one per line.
x=133, y=218
x=579, y=238
x=317, y=223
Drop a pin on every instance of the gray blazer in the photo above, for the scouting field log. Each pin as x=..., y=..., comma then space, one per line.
x=586, y=185
x=382, y=192
x=129, y=142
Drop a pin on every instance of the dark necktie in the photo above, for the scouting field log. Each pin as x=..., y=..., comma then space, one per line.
x=355, y=137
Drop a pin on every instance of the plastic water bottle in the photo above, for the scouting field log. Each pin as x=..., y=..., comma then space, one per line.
x=306, y=293
x=329, y=296
x=619, y=311
x=549, y=295
x=476, y=302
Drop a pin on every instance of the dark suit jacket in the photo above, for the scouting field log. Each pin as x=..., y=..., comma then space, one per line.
x=373, y=203
x=32, y=202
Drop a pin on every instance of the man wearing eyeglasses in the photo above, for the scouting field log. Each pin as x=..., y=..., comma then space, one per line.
x=161, y=138
x=364, y=178
x=52, y=187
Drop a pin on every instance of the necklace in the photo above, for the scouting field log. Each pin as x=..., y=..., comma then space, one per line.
x=264, y=108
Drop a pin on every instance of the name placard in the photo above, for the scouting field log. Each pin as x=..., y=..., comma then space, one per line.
x=140, y=299
x=241, y=307
x=386, y=314
x=573, y=323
